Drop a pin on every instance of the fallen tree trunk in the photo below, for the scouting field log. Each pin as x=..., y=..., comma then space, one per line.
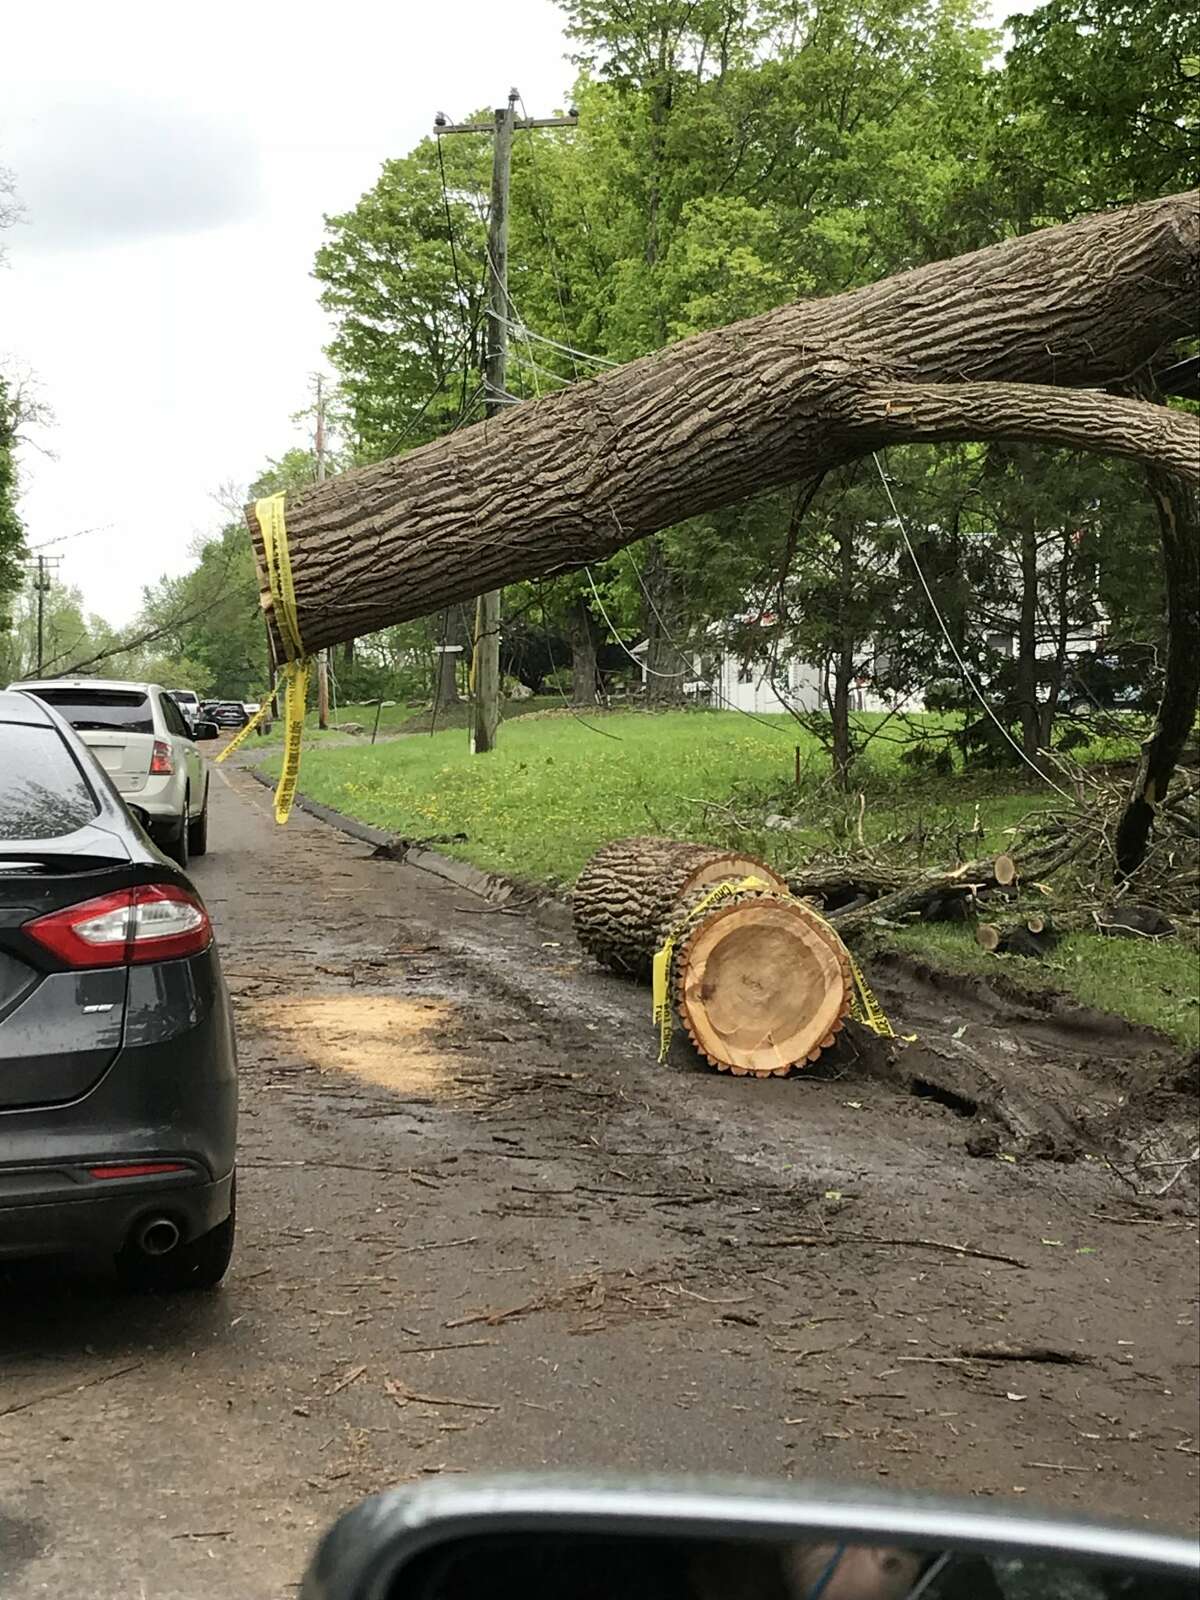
x=982, y=347
x=631, y=891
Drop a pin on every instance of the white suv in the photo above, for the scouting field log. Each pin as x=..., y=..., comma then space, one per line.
x=141, y=738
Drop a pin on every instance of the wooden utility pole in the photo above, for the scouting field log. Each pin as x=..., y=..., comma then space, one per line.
x=42, y=585
x=485, y=660
x=323, y=657
x=40, y=570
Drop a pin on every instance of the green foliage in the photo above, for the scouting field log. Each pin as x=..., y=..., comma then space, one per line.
x=12, y=534
x=1103, y=94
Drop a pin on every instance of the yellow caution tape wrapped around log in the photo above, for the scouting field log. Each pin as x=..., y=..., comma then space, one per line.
x=864, y=1008
x=270, y=514
x=660, y=970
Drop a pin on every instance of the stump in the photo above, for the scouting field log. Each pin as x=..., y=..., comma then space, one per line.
x=762, y=984
x=631, y=888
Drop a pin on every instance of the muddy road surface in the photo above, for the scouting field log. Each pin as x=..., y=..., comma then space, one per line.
x=481, y=1229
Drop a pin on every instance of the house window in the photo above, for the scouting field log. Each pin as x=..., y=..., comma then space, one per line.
x=1000, y=644
x=745, y=672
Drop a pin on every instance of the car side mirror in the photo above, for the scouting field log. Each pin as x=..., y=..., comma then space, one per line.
x=206, y=730
x=579, y=1539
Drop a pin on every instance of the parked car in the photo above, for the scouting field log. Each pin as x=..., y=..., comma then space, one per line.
x=118, y=1081
x=188, y=702
x=227, y=713
x=138, y=734
x=1125, y=678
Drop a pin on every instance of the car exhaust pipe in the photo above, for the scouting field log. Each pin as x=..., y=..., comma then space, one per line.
x=157, y=1236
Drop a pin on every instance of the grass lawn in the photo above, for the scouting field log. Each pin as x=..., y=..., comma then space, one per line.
x=1146, y=981
x=555, y=789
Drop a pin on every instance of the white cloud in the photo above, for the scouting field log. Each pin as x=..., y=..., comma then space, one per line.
x=104, y=168
x=176, y=173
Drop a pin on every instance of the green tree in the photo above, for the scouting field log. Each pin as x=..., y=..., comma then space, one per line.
x=1102, y=96
x=12, y=533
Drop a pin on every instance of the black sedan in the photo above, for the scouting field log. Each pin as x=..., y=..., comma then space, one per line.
x=118, y=1080
x=225, y=713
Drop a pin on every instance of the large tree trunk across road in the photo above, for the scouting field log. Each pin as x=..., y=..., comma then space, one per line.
x=984, y=346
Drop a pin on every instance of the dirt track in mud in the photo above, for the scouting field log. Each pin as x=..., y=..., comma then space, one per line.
x=480, y=1229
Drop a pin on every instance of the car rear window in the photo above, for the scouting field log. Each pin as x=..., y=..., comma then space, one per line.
x=43, y=794
x=122, y=710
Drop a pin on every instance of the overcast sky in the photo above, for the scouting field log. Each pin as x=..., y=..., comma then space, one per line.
x=175, y=165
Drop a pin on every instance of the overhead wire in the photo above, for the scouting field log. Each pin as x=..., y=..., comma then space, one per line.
x=547, y=237
x=720, y=694
x=591, y=726
x=946, y=634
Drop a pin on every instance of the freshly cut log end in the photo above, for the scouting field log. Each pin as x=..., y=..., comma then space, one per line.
x=1005, y=869
x=762, y=985
x=987, y=936
x=632, y=890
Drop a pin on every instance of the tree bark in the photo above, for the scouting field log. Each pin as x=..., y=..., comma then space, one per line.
x=666, y=670
x=629, y=892
x=445, y=662
x=1179, y=529
x=585, y=672
x=981, y=346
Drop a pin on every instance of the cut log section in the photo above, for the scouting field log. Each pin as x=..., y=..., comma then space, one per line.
x=631, y=892
x=762, y=985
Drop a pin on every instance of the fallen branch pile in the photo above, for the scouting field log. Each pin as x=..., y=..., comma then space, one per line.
x=1058, y=875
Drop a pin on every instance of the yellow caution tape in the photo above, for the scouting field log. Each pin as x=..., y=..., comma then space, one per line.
x=295, y=678
x=240, y=737
x=660, y=969
x=270, y=514
x=864, y=1007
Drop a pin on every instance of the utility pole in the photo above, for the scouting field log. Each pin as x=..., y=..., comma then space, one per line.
x=323, y=657
x=485, y=661
x=41, y=583
x=40, y=569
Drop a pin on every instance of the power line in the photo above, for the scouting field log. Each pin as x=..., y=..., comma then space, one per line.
x=721, y=696
x=605, y=732
x=65, y=538
x=954, y=650
x=434, y=392
x=548, y=240
x=523, y=330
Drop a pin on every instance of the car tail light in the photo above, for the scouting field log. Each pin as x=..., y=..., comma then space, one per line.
x=136, y=1169
x=153, y=922
x=162, y=763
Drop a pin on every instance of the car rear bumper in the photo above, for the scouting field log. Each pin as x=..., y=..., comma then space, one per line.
x=50, y=1211
x=161, y=798
x=169, y=1095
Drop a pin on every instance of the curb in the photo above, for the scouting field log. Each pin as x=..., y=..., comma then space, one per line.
x=549, y=909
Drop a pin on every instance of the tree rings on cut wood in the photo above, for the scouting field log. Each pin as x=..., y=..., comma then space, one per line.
x=632, y=891
x=1005, y=869
x=762, y=984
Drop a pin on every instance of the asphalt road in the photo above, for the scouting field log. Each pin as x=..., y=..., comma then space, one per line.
x=481, y=1229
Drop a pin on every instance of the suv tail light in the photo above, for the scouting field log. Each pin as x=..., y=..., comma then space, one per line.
x=162, y=763
x=153, y=922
